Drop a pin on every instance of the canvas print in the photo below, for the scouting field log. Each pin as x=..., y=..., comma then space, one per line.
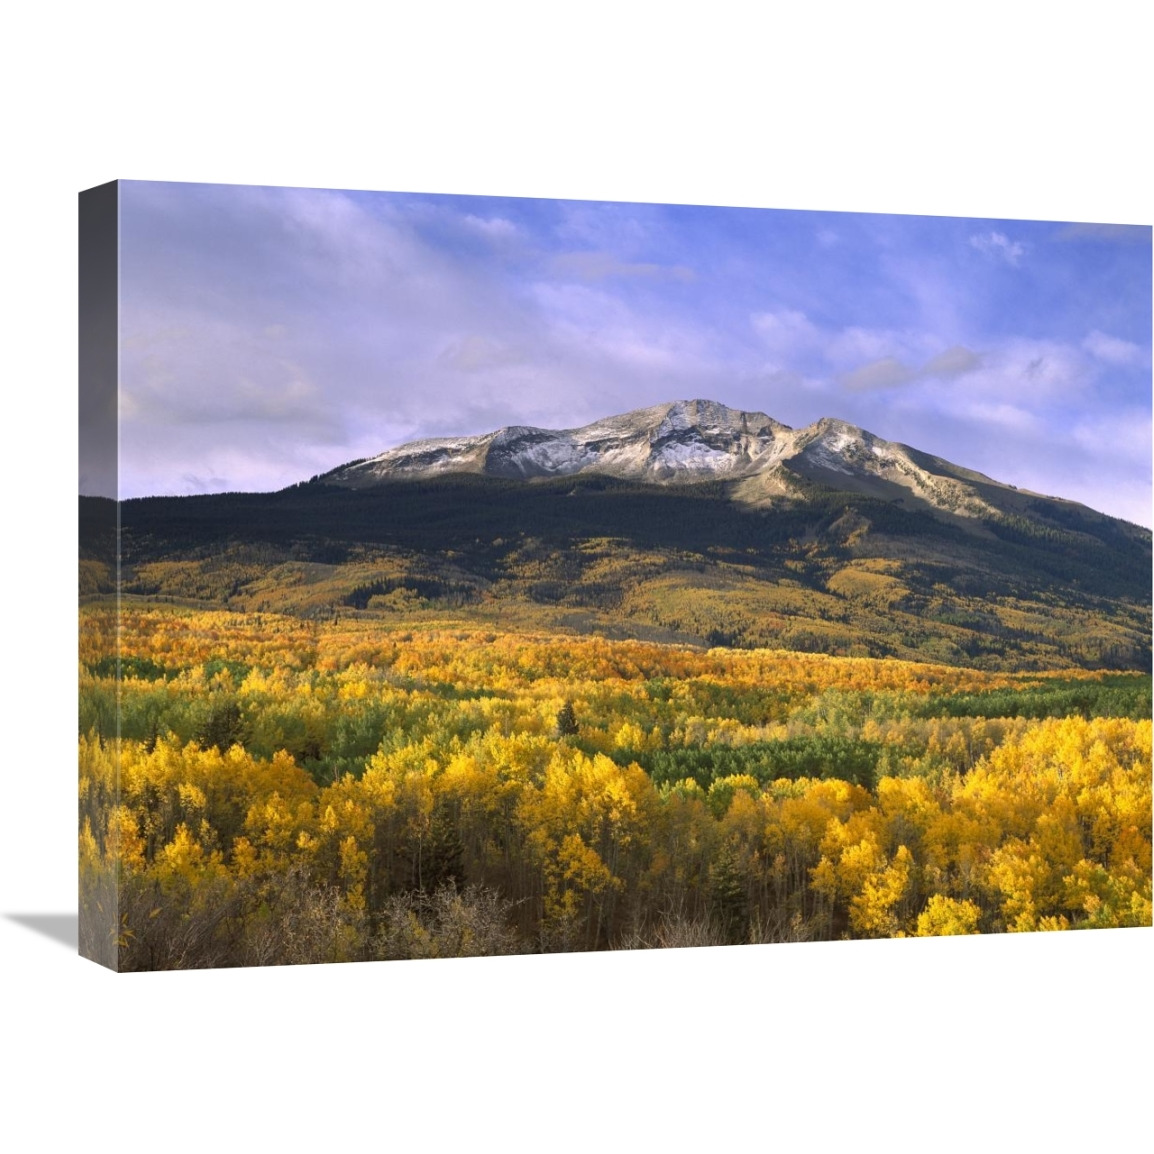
x=468, y=575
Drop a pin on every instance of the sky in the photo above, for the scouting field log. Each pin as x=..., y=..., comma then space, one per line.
x=269, y=334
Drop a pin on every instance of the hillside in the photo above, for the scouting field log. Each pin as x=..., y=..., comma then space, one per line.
x=828, y=570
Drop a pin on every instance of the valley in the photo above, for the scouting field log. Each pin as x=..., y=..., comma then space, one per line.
x=691, y=678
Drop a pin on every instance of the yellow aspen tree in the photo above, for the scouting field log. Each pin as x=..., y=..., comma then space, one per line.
x=945, y=916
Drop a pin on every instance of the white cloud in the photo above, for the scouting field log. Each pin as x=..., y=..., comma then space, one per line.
x=492, y=227
x=1027, y=372
x=595, y=266
x=998, y=246
x=1004, y=416
x=475, y=352
x=1112, y=350
x=619, y=228
x=600, y=339
x=865, y=359
x=953, y=362
x=787, y=333
x=1124, y=437
x=890, y=372
x=856, y=346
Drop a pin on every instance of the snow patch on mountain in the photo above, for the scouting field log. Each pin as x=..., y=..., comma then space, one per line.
x=683, y=442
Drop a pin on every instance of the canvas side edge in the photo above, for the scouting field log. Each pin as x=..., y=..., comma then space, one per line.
x=98, y=584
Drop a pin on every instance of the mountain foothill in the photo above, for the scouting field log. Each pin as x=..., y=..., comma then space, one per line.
x=687, y=522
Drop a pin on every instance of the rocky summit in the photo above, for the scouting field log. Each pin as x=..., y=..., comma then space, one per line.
x=699, y=440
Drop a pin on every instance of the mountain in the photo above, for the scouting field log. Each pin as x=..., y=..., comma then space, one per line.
x=686, y=522
x=684, y=442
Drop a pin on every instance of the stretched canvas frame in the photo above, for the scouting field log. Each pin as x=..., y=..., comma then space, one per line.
x=233, y=813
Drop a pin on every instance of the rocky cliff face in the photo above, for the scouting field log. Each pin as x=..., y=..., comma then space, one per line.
x=687, y=441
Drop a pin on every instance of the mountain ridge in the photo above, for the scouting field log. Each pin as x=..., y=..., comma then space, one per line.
x=687, y=522
x=681, y=442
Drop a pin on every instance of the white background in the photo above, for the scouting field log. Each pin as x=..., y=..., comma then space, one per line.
x=1039, y=1042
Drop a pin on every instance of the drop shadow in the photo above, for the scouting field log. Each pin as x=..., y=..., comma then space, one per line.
x=62, y=928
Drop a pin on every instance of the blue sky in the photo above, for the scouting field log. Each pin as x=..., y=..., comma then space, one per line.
x=268, y=334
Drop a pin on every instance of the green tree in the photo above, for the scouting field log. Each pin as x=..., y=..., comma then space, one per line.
x=566, y=721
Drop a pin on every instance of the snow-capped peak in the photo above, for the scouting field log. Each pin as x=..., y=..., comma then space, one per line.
x=682, y=442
